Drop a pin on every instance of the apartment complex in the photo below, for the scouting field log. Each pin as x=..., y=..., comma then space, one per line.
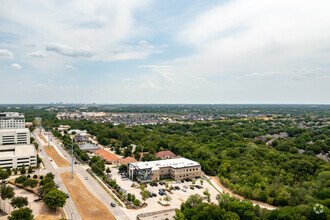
x=177, y=169
x=15, y=147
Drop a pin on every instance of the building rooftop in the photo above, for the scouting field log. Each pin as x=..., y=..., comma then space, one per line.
x=20, y=150
x=89, y=147
x=107, y=155
x=163, y=154
x=126, y=160
x=8, y=115
x=174, y=163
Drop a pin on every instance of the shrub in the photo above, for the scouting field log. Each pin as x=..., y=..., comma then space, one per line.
x=28, y=176
x=41, y=177
x=35, y=176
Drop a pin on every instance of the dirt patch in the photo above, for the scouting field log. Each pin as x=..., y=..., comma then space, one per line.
x=50, y=214
x=181, y=199
x=42, y=138
x=59, y=160
x=218, y=182
x=88, y=205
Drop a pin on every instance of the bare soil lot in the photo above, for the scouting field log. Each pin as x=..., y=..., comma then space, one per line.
x=50, y=214
x=59, y=160
x=88, y=205
x=42, y=138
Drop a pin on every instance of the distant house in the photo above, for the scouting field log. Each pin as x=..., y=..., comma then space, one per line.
x=28, y=124
x=107, y=156
x=165, y=155
x=126, y=160
x=82, y=133
x=63, y=127
x=81, y=139
x=89, y=147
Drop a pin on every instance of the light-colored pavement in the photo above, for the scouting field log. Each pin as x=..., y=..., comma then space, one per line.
x=91, y=184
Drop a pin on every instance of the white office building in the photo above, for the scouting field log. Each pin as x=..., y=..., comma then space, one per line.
x=15, y=147
x=13, y=156
x=12, y=120
x=14, y=136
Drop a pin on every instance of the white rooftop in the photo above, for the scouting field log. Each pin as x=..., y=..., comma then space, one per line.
x=11, y=115
x=174, y=163
x=19, y=150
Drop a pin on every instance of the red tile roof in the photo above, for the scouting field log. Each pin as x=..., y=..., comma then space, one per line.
x=126, y=160
x=163, y=154
x=107, y=155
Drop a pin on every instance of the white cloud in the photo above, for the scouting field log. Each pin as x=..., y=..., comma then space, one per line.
x=67, y=50
x=16, y=66
x=145, y=44
x=240, y=37
x=6, y=54
x=70, y=67
x=37, y=54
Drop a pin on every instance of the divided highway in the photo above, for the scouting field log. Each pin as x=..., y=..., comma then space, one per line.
x=91, y=184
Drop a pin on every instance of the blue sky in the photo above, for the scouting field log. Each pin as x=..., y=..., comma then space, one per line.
x=241, y=51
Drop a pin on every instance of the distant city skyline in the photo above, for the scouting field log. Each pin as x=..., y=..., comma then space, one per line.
x=165, y=52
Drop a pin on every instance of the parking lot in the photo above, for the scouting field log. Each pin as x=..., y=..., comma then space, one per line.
x=178, y=196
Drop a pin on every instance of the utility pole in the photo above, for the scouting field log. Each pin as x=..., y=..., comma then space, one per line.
x=48, y=137
x=72, y=161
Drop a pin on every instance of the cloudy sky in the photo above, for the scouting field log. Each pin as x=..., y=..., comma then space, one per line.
x=232, y=51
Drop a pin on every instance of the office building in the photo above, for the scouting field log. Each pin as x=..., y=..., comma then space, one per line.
x=15, y=147
x=177, y=169
x=12, y=120
x=14, y=136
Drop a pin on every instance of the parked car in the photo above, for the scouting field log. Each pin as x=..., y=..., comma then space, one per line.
x=86, y=178
x=113, y=204
x=154, y=195
x=67, y=195
x=192, y=187
x=57, y=185
x=183, y=190
x=177, y=188
x=156, y=184
x=182, y=181
x=185, y=186
x=198, y=186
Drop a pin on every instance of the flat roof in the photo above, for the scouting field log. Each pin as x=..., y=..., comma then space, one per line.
x=8, y=115
x=89, y=147
x=19, y=150
x=174, y=163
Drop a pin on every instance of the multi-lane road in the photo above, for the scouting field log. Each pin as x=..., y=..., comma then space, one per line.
x=91, y=184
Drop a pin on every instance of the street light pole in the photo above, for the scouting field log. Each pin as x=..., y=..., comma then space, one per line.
x=72, y=161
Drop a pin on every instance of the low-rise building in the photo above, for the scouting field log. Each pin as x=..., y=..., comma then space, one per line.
x=177, y=169
x=89, y=147
x=126, y=161
x=13, y=156
x=107, y=156
x=165, y=155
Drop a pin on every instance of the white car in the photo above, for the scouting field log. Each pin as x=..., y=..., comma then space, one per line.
x=86, y=178
x=183, y=190
x=185, y=186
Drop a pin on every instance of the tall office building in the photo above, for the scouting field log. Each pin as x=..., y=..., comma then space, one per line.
x=12, y=120
x=15, y=147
